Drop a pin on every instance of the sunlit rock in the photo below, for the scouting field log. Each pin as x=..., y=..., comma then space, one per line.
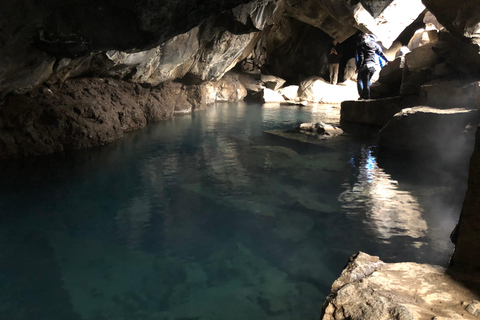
x=317, y=90
x=270, y=95
x=391, y=22
x=370, y=289
x=422, y=37
x=421, y=58
x=289, y=93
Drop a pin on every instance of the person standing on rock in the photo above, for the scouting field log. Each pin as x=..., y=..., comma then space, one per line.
x=334, y=62
x=367, y=49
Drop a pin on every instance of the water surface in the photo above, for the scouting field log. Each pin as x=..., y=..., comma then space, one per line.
x=208, y=217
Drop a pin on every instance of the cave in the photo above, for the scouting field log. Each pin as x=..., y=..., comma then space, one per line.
x=103, y=106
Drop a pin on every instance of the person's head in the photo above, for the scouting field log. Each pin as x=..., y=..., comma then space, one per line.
x=334, y=42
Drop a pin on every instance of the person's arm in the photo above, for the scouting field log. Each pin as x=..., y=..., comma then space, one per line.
x=379, y=51
x=360, y=59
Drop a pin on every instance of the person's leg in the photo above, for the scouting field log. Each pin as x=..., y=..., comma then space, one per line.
x=369, y=74
x=330, y=71
x=364, y=78
x=336, y=67
x=359, y=85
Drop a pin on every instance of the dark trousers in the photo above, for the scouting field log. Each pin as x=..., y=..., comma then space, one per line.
x=363, y=82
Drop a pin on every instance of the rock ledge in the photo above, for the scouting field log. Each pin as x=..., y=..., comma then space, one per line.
x=368, y=288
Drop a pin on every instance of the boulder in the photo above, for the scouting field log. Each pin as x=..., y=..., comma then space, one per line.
x=270, y=95
x=373, y=112
x=272, y=82
x=451, y=94
x=369, y=289
x=421, y=58
x=422, y=37
x=393, y=71
x=388, y=25
x=380, y=90
x=316, y=89
x=429, y=131
x=289, y=93
x=431, y=22
x=320, y=128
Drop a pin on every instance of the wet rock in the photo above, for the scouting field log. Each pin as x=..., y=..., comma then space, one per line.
x=320, y=128
x=369, y=289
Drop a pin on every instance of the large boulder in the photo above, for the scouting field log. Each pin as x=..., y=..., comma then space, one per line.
x=441, y=133
x=369, y=289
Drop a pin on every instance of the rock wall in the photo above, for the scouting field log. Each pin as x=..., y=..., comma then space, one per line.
x=467, y=233
x=87, y=112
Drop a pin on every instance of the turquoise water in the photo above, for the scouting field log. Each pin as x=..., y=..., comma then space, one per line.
x=208, y=217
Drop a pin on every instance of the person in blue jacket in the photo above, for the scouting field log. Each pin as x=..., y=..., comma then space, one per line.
x=367, y=57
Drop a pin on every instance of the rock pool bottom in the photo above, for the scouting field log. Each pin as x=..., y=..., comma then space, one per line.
x=208, y=217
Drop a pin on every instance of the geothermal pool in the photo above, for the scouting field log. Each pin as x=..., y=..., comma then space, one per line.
x=207, y=216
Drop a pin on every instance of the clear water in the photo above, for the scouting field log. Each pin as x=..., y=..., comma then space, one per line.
x=208, y=217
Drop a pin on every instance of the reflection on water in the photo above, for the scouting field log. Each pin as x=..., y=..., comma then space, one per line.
x=207, y=217
x=388, y=210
